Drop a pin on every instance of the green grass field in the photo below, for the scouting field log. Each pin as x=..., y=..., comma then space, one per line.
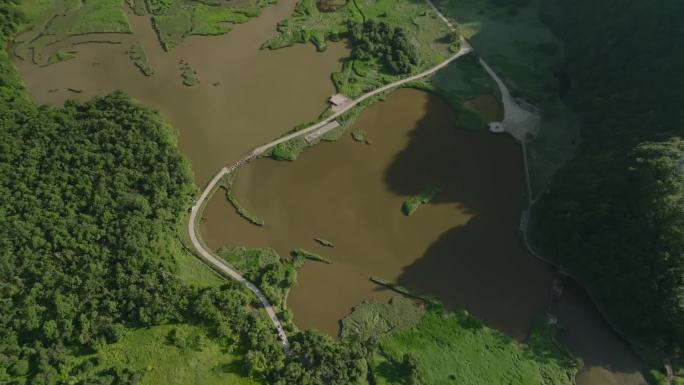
x=150, y=352
x=451, y=348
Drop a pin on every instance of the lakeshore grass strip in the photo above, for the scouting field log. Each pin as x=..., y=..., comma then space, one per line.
x=188, y=74
x=361, y=73
x=427, y=344
x=226, y=184
x=243, y=212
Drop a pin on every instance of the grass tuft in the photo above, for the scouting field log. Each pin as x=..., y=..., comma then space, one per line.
x=411, y=205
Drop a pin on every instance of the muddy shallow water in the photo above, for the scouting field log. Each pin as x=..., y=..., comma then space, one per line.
x=463, y=248
x=259, y=94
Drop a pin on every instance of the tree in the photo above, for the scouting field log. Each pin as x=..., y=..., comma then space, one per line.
x=378, y=40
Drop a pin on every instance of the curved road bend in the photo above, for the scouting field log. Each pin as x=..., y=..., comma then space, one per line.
x=223, y=266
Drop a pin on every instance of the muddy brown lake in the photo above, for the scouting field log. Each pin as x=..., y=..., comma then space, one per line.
x=463, y=248
x=245, y=96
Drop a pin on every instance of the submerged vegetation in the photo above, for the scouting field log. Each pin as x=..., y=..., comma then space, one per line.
x=61, y=56
x=226, y=183
x=139, y=58
x=174, y=20
x=396, y=287
x=188, y=74
x=359, y=135
x=324, y=242
x=411, y=205
x=243, y=212
x=301, y=253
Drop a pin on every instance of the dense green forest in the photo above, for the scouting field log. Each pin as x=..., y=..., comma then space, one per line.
x=92, y=197
x=380, y=41
x=615, y=214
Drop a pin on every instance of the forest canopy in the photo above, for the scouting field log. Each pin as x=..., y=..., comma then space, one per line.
x=614, y=215
x=377, y=40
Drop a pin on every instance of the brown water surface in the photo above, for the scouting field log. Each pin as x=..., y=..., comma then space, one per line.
x=245, y=97
x=461, y=248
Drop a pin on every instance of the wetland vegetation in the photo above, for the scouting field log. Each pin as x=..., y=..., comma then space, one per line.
x=415, y=345
x=266, y=269
x=188, y=74
x=378, y=32
x=226, y=184
x=139, y=58
x=324, y=242
x=301, y=253
x=411, y=205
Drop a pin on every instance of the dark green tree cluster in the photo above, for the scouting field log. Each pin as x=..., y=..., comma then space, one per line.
x=377, y=40
x=615, y=214
x=91, y=192
x=316, y=359
x=273, y=275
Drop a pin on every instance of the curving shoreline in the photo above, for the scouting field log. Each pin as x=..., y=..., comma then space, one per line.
x=517, y=122
x=197, y=207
